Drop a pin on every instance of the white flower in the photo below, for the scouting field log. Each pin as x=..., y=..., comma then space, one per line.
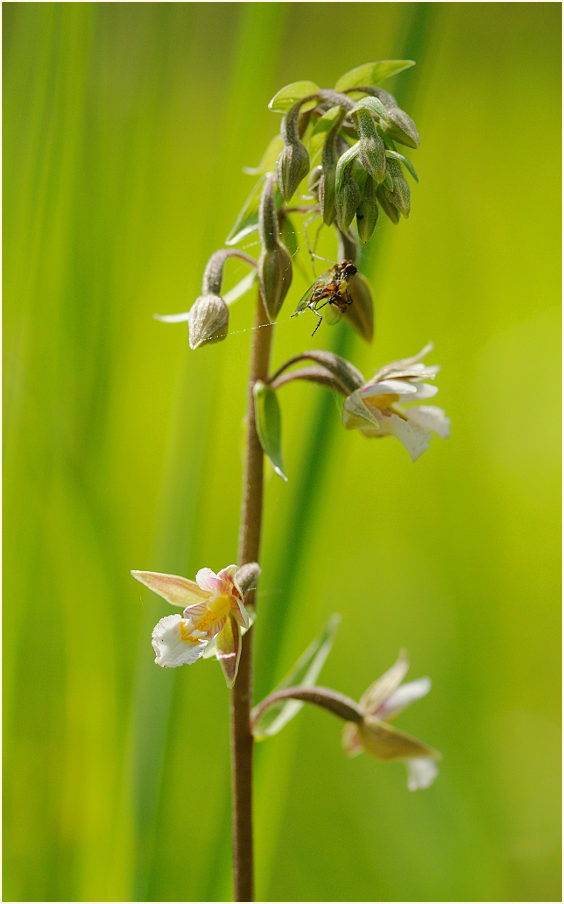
x=213, y=616
x=384, y=700
x=376, y=408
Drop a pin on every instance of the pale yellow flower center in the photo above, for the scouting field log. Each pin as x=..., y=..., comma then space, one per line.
x=218, y=607
x=382, y=402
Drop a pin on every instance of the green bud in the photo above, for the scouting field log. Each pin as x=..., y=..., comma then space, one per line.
x=371, y=148
x=314, y=180
x=401, y=128
x=246, y=577
x=327, y=195
x=367, y=212
x=360, y=314
x=291, y=167
x=385, y=200
x=275, y=278
x=347, y=192
x=401, y=194
x=208, y=320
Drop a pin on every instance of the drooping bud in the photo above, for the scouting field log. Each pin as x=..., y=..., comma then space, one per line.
x=275, y=263
x=293, y=161
x=246, y=577
x=401, y=128
x=367, y=212
x=360, y=314
x=275, y=278
x=329, y=160
x=347, y=192
x=314, y=180
x=385, y=201
x=208, y=320
x=371, y=152
x=400, y=196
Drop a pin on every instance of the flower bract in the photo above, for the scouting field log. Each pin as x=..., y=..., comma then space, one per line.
x=384, y=700
x=212, y=620
x=376, y=409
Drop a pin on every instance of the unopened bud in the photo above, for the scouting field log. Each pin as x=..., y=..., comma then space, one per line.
x=386, y=202
x=367, y=212
x=275, y=278
x=246, y=577
x=347, y=196
x=360, y=314
x=327, y=195
x=401, y=194
x=401, y=128
x=314, y=180
x=371, y=149
x=293, y=161
x=208, y=320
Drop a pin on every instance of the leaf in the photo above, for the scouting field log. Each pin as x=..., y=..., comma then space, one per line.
x=240, y=288
x=247, y=221
x=291, y=94
x=406, y=162
x=268, y=160
x=372, y=73
x=304, y=673
x=269, y=427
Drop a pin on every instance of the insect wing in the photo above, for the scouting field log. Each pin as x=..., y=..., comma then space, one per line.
x=324, y=280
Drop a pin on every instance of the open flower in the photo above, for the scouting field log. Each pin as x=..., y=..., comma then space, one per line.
x=212, y=620
x=379, y=704
x=376, y=408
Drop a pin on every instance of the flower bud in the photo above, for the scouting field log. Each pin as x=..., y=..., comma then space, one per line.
x=360, y=314
x=347, y=199
x=386, y=202
x=314, y=180
x=275, y=278
x=367, y=212
x=327, y=195
x=401, y=127
x=246, y=577
x=401, y=194
x=208, y=320
x=291, y=167
x=371, y=149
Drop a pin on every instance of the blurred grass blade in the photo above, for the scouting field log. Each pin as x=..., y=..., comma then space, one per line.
x=305, y=672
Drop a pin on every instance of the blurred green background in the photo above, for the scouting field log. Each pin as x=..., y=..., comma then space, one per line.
x=126, y=127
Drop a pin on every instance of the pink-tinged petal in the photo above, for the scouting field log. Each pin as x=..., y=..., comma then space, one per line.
x=420, y=773
x=229, y=650
x=174, y=589
x=173, y=643
x=207, y=619
x=411, y=435
x=209, y=581
x=351, y=740
x=403, y=696
x=380, y=690
x=387, y=743
x=430, y=417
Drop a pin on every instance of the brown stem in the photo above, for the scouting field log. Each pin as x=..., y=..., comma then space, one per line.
x=241, y=695
x=336, y=703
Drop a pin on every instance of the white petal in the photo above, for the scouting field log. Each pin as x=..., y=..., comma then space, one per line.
x=174, y=589
x=430, y=417
x=380, y=690
x=404, y=696
x=411, y=435
x=375, y=388
x=420, y=773
x=404, y=363
x=170, y=645
x=423, y=391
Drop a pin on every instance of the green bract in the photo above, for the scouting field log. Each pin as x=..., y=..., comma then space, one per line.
x=269, y=425
x=284, y=99
x=372, y=73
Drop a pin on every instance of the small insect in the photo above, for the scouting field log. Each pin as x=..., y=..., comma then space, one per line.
x=331, y=288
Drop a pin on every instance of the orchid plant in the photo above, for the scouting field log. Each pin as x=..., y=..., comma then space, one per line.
x=336, y=161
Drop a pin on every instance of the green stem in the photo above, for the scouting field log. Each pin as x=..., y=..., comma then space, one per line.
x=241, y=695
